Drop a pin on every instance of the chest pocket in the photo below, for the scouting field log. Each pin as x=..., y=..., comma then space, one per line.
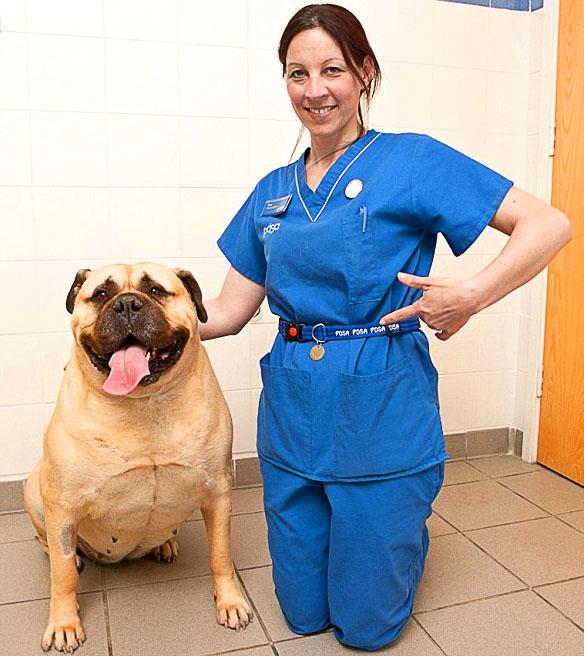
x=360, y=244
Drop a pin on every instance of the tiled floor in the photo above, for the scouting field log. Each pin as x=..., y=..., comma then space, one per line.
x=504, y=576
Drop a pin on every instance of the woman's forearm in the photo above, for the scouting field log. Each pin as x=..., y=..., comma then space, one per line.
x=531, y=246
x=218, y=322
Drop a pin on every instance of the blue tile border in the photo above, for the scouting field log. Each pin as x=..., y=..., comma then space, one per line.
x=515, y=5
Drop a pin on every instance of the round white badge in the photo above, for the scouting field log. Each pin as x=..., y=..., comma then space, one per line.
x=353, y=189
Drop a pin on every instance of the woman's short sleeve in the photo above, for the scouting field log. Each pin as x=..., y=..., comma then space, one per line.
x=241, y=245
x=454, y=194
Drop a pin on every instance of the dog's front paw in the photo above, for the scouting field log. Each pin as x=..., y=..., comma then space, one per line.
x=65, y=634
x=234, y=613
x=167, y=551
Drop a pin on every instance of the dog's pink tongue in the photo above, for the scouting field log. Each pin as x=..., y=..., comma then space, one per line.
x=128, y=367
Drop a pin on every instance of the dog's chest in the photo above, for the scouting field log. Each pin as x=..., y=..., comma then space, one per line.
x=148, y=497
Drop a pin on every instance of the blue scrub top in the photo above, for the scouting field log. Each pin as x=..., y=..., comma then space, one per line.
x=369, y=409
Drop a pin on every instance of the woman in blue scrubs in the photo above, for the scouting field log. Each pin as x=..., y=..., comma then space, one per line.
x=341, y=241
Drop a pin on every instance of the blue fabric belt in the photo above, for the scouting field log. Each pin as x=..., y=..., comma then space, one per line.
x=300, y=332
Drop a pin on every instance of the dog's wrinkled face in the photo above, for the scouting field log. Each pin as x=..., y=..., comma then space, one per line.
x=134, y=321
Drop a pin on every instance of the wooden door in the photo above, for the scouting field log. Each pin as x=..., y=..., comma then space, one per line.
x=561, y=428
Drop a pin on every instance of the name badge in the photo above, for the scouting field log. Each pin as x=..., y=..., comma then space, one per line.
x=276, y=206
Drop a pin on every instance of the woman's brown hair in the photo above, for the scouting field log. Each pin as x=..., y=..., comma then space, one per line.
x=346, y=30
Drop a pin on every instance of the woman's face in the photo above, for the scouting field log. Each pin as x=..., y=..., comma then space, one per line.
x=324, y=92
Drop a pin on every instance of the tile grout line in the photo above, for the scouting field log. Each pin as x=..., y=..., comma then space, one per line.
x=432, y=638
x=106, y=611
x=253, y=605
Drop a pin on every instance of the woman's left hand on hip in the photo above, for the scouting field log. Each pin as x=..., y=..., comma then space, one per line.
x=446, y=305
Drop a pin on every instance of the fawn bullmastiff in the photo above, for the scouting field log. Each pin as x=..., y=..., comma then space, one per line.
x=140, y=437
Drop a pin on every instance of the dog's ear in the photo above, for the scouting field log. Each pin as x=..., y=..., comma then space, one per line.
x=80, y=278
x=194, y=291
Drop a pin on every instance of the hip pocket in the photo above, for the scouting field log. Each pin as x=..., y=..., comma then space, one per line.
x=284, y=416
x=388, y=422
x=363, y=277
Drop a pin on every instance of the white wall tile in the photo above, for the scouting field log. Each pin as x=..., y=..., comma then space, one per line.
x=266, y=27
x=458, y=401
x=68, y=149
x=12, y=15
x=154, y=20
x=459, y=99
x=141, y=77
x=520, y=391
x=66, y=73
x=471, y=143
x=495, y=398
x=405, y=94
x=405, y=30
x=523, y=344
x=13, y=71
x=204, y=214
x=209, y=272
x=268, y=97
x=272, y=145
x=213, y=81
x=213, y=152
x=240, y=407
x=214, y=23
x=230, y=358
x=536, y=41
x=461, y=35
x=497, y=347
x=509, y=37
x=507, y=97
x=54, y=280
x=19, y=379
x=457, y=354
x=15, y=166
x=18, y=298
x=21, y=439
x=143, y=151
x=79, y=17
x=144, y=223
x=71, y=221
x=17, y=241
x=506, y=153
x=253, y=428
x=55, y=353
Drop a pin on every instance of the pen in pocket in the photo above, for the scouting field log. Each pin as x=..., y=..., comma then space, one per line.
x=363, y=211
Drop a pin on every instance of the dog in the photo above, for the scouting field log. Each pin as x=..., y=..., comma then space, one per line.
x=140, y=437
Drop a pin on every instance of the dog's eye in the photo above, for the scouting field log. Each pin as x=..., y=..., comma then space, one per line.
x=99, y=293
x=157, y=291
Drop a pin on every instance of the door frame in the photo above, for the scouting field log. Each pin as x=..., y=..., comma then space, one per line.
x=542, y=187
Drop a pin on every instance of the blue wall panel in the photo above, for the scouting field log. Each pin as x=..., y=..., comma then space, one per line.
x=516, y=5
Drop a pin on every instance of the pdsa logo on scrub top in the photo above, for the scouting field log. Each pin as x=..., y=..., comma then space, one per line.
x=270, y=228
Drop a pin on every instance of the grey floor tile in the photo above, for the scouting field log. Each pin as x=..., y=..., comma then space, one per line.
x=25, y=573
x=254, y=651
x=518, y=624
x=502, y=465
x=259, y=584
x=549, y=491
x=15, y=527
x=567, y=596
x=413, y=641
x=174, y=617
x=192, y=560
x=485, y=503
x=575, y=519
x=539, y=551
x=438, y=526
x=22, y=626
x=457, y=571
x=460, y=471
x=247, y=500
x=249, y=536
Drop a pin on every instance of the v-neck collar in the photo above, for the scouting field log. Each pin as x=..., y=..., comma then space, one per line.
x=315, y=200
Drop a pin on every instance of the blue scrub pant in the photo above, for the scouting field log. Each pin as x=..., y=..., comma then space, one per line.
x=347, y=554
